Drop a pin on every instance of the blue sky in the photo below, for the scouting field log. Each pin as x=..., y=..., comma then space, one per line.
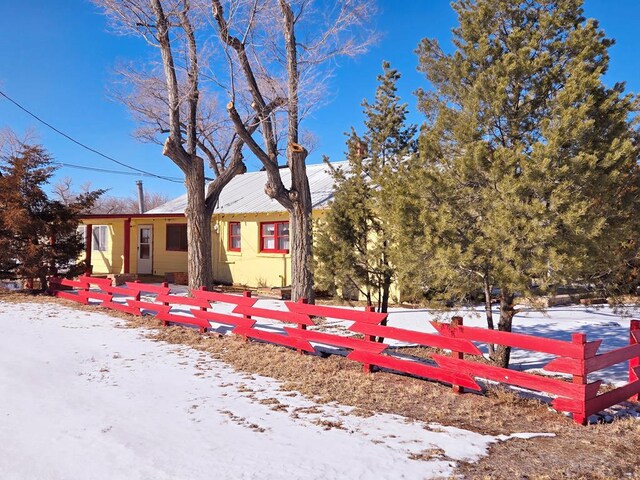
x=57, y=58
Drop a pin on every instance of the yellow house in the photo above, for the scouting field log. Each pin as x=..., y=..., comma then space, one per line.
x=250, y=234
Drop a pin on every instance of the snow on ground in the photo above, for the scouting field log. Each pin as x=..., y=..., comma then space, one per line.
x=82, y=398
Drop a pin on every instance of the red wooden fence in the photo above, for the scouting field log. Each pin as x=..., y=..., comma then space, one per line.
x=576, y=359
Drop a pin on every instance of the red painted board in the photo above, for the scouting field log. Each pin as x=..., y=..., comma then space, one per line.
x=223, y=318
x=127, y=292
x=415, y=368
x=281, y=316
x=103, y=297
x=121, y=307
x=224, y=297
x=102, y=282
x=334, y=312
x=145, y=287
x=519, y=340
x=73, y=283
x=519, y=379
x=411, y=336
x=153, y=307
x=192, y=302
x=183, y=319
x=71, y=296
x=277, y=338
x=613, y=397
x=593, y=364
x=337, y=340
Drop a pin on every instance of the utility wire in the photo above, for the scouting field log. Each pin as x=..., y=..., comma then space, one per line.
x=169, y=179
x=95, y=169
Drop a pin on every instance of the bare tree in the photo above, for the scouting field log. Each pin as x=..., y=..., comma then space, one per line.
x=269, y=64
x=65, y=192
x=171, y=105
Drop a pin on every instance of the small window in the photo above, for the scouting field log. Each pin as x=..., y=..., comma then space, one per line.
x=234, y=236
x=177, y=237
x=99, y=236
x=274, y=237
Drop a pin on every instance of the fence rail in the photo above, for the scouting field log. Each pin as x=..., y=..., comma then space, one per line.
x=461, y=368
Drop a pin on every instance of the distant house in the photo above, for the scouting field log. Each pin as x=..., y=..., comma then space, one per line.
x=250, y=234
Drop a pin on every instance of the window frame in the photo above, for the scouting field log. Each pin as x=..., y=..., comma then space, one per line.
x=96, y=244
x=231, y=236
x=186, y=242
x=275, y=237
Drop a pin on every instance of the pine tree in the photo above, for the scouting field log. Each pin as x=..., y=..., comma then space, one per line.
x=38, y=236
x=527, y=177
x=354, y=242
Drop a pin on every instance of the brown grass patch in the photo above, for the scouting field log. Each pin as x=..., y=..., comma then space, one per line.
x=592, y=452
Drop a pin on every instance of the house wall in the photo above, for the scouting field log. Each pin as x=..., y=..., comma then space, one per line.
x=112, y=260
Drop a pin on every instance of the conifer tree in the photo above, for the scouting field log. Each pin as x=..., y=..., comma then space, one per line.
x=38, y=236
x=354, y=242
x=527, y=177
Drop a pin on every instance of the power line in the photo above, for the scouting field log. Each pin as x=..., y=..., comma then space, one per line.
x=68, y=137
x=104, y=170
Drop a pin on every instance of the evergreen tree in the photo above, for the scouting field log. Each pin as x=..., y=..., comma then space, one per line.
x=527, y=177
x=38, y=236
x=354, y=242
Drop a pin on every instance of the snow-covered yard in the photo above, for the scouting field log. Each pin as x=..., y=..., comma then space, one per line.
x=82, y=398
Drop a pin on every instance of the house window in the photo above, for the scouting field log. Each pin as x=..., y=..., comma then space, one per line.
x=177, y=237
x=274, y=237
x=234, y=236
x=99, y=238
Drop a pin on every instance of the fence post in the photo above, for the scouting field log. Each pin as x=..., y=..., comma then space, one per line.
x=302, y=326
x=456, y=322
x=634, y=339
x=165, y=284
x=581, y=378
x=367, y=367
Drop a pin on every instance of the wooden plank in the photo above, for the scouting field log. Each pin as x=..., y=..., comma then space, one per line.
x=153, y=307
x=596, y=363
x=415, y=368
x=337, y=340
x=519, y=379
x=182, y=320
x=224, y=298
x=145, y=287
x=281, y=316
x=178, y=300
x=126, y=292
x=101, y=282
x=334, y=312
x=71, y=296
x=613, y=397
x=518, y=340
x=122, y=308
x=73, y=283
x=411, y=336
x=277, y=338
x=223, y=318
x=103, y=297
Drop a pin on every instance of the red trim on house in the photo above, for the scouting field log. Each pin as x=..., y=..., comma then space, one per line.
x=275, y=237
x=127, y=245
x=129, y=215
x=230, y=237
x=88, y=237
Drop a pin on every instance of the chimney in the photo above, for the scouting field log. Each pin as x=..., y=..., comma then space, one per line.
x=140, y=197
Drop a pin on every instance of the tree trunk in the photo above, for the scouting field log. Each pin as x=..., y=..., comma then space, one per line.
x=301, y=227
x=487, y=309
x=502, y=353
x=301, y=239
x=199, y=259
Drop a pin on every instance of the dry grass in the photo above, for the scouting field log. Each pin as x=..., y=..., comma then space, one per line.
x=593, y=452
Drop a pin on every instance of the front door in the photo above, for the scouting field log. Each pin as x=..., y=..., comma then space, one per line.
x=145, y=250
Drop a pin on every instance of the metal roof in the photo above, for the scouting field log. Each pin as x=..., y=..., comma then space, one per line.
x=245, y=193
